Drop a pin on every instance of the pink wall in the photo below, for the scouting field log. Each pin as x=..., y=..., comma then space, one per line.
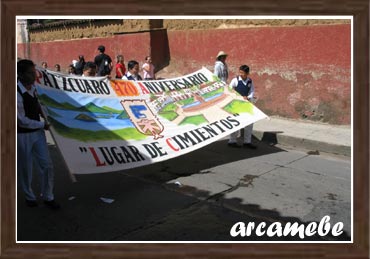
x=299, y=72
x=132, y=46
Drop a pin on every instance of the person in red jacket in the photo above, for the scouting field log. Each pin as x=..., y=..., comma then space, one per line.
x=120, y=67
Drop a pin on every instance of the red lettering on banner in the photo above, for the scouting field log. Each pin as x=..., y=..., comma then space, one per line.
x=144, y=90
x=170, y=145
x=98, y=163
x=124, y=88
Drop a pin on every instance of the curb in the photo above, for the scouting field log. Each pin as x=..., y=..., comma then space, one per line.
x=276, y=138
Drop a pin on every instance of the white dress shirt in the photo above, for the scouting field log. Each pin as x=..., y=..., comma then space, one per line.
x=234, y=83
x=22, y=120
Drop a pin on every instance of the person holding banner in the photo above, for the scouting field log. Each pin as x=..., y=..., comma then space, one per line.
x=243, y=84
x=221, y=70
x=31, y=139
x=133, y=71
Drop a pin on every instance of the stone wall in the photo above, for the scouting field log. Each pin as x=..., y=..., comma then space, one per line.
x=105, y=28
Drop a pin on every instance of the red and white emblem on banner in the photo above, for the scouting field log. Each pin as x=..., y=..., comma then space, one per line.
x=143, y=118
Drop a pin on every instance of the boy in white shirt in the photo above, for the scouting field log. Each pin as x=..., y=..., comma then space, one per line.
x=243, y=84
x=133, y=71
x=32, y=147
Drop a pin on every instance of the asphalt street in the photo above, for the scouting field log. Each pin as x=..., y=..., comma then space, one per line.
x=196, y=197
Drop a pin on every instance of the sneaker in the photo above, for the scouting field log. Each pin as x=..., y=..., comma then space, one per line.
x=233, y=145
x=249, y=145
x=31, y=203
x=52, y=205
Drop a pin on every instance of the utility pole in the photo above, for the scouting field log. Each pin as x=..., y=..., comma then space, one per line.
x=23, y=37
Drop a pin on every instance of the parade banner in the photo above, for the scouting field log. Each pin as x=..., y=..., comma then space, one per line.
x=103, y=125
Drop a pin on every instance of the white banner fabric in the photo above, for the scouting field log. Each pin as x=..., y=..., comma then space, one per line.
x=103, y=125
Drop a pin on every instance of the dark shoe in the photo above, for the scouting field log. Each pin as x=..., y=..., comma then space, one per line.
x=52, y=205
x=249, y=145
x=31, y=203
x=233, y=145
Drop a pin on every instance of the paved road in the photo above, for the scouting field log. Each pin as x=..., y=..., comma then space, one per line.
x=195, y=197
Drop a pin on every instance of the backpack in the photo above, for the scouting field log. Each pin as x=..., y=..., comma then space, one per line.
x=104, y=66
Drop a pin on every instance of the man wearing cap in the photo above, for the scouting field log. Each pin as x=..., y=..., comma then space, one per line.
x=221, y=69
x=103, y=62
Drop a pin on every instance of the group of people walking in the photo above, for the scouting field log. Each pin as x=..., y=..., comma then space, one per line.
x=102, y=66
x=31, y=140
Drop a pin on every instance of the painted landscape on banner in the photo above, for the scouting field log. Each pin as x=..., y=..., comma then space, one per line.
x=103, y=125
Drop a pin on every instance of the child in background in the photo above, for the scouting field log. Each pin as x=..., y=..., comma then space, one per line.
x=57, y=67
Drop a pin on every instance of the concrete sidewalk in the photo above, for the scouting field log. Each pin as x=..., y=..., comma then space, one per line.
x=334, y=139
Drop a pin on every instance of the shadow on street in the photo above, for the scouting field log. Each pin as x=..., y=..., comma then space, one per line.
x=146, y=207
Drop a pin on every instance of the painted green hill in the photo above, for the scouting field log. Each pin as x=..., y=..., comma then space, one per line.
x=123, y=115
x=100, y=135
x=90, y=107
x=112, y=110
x=239, y=106
x=85, y=117
x=46, y=100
